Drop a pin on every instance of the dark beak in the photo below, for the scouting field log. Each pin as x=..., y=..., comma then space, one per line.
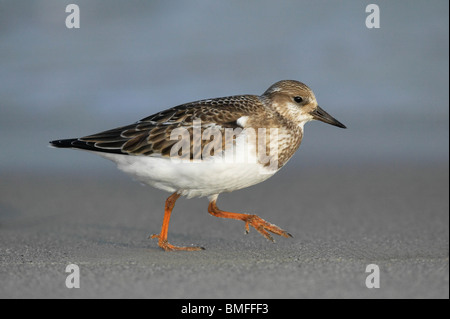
x=321, y=115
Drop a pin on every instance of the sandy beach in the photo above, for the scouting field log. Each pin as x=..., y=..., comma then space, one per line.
x=342, y=220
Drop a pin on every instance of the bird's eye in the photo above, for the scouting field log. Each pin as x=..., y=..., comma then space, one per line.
x=298, y=99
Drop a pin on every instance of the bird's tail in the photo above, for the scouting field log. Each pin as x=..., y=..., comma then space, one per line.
x=67, y=143
x=76, y=143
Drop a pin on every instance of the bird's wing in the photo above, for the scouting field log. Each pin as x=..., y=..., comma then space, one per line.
x=151, y=136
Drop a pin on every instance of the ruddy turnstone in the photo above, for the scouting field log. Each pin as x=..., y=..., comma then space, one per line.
x=211, y=146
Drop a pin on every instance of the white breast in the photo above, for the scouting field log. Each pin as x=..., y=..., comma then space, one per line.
x=195, y=179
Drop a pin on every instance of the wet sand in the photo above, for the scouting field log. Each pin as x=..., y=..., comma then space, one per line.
x=342, y=220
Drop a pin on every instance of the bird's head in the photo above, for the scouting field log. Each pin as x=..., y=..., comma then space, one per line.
x=297, y=102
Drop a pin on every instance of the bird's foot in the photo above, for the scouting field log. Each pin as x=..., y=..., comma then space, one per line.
x=169, y=247
x=263, y=227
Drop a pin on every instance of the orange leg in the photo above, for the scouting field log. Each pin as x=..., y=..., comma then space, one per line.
x=258, y=223
x=170, y=203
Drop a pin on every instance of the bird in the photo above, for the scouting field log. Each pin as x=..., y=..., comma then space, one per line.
x=211, y=146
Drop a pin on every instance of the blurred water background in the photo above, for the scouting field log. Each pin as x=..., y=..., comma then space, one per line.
x=130, y=59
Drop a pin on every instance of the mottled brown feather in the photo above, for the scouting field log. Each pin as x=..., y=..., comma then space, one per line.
x=151, y=135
